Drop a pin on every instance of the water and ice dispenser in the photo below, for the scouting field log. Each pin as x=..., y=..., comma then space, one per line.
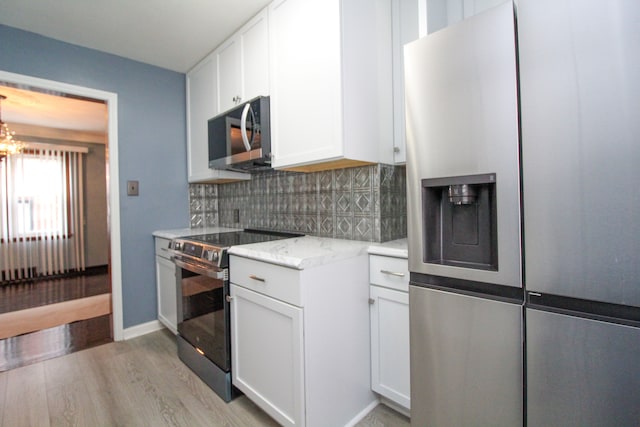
x=460, y=221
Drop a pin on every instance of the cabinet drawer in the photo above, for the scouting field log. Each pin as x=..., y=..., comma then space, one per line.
x=389, y=272
x=278, y=282
x=162, y=245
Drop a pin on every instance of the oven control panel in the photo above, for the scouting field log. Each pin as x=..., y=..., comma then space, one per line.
x=197, y=251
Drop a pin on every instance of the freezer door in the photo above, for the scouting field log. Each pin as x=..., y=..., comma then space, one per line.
x=580, y=100
x=581, y=372
x=466, y=360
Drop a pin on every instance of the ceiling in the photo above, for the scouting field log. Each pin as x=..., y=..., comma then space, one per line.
x=51, y=110
x=171, y=34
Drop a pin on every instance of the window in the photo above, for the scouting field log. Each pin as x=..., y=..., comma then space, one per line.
x=36, y=195
x=41, y=214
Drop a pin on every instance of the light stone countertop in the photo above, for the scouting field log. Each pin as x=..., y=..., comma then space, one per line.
x=302, y=252
x=298, y=252
x=393, y=248
x=183, y=232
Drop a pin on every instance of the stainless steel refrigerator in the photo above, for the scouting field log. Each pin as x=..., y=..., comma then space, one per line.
x=523, y=168
x=580, y=103
x=464, y=234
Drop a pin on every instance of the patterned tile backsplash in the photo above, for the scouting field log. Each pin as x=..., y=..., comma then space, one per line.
x=365, y=203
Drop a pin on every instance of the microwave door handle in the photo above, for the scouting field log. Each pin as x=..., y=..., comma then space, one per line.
x=243, y=127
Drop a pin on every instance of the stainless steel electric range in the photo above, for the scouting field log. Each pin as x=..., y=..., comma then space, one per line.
x=202, y=285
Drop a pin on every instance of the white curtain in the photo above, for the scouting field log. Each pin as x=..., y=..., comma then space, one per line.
x=41, y=220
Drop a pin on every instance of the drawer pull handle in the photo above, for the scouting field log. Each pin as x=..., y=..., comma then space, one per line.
x=254, y=277
x=228, y=298
x=392, y=273
x=371, y=301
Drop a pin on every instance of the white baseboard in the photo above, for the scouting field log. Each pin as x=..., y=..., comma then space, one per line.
x=142, y=329
x=370, y=407
x=396, y=407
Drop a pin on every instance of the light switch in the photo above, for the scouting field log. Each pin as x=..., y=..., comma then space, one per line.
x=132, y=188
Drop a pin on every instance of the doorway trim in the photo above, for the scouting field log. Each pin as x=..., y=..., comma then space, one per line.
x=113, y=206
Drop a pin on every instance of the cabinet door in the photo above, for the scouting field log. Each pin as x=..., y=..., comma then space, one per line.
x=390, y=344
x=167, y=291
x=254, y=39
x=201, y=106
x=305, y=73
x=406, y=20
x=267, y=354
x=229, y=74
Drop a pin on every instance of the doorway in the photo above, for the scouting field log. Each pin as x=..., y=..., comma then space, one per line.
x=112, y=182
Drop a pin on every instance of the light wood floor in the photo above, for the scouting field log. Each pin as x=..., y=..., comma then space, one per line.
x=139, y=382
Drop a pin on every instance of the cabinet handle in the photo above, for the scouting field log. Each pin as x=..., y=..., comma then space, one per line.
x=371, y=301
x=254, y=277
x=391, y=273
x=228, y=298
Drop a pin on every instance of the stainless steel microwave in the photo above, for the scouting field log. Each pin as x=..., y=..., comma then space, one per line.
x=240, y=139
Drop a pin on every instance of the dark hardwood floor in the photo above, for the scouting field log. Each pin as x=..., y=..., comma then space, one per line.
x=48, y=343
x=22, y=295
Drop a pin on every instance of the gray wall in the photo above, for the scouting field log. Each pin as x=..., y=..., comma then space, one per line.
x=151, y=144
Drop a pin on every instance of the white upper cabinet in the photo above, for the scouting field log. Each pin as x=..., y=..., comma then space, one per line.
x=406, y=23
x=201, y=106
x=236, y=71
x=254, y=39
x=229, y=83
x=243, y=63
x=331, y=83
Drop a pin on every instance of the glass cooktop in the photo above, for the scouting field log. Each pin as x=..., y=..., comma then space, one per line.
x=244, y=237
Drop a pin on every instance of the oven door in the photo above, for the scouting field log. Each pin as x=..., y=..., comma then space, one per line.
x=203, y=311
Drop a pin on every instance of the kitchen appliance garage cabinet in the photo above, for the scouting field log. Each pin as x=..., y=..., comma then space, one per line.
x=300, y=338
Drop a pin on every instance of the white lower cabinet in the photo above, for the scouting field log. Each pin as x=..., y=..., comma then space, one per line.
x=300, y=340
x=267, y=353
x=390, y=344
x=389, y=315
x=166, y=286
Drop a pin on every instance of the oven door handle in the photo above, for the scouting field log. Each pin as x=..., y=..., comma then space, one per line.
x=214, y=274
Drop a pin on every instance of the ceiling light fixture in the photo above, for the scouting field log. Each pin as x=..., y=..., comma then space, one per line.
x=8, y=145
